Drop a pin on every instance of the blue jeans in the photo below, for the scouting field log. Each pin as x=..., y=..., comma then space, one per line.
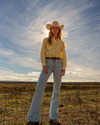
x=34, y=113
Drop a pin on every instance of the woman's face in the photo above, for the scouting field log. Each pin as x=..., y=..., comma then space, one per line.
x=55, y=30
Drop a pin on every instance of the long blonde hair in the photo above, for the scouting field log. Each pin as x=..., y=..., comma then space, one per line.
x=50, y=35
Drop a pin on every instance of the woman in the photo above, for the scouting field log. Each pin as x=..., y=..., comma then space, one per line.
x=53, y=59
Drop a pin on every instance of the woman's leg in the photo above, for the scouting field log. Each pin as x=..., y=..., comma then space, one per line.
x=56, y=90
x=34, y=113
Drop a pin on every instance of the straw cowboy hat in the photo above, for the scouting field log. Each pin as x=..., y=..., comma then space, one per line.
x=54, y=24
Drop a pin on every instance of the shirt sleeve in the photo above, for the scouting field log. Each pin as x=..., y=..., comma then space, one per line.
x=64, y=59
x=43, y=53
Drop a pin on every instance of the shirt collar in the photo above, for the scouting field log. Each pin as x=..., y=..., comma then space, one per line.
x=55, y=39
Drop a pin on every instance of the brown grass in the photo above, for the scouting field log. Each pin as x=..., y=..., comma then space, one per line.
x=79, y=104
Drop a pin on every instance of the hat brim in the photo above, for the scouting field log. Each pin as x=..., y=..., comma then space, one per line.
x=48, y=26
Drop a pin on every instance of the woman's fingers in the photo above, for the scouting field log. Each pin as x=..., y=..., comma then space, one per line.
x=62, y=73
x=45, y=69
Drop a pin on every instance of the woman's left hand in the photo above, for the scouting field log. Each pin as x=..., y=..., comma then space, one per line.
x=62, y=72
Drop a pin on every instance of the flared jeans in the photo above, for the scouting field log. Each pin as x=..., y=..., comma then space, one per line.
x=34, y=113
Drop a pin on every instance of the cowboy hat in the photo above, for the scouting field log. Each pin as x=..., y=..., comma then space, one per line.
x=54, y=24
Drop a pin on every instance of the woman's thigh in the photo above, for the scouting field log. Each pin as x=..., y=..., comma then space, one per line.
x=43, y=78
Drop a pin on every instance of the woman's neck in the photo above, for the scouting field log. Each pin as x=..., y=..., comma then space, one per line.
x=55, y=36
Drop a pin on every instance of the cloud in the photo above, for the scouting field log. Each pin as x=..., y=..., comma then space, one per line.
x=11, y=76
x=80, y=73
x=34, y=74
x=73, y=74
x=23, y=30
x=21, y=60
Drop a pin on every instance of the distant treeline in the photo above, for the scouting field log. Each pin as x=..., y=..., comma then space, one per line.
x=31, y=86
x=67, y=83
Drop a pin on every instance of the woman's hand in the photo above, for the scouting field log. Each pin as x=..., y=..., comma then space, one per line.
x=45, y=69
x=62, y=72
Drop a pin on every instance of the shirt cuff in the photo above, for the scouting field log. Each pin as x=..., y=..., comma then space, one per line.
x=43, y=64
x=63, y=68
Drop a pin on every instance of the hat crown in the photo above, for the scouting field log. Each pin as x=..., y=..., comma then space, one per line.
x=55, y=23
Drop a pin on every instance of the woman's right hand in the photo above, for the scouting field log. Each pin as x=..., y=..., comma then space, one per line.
x=45, y=69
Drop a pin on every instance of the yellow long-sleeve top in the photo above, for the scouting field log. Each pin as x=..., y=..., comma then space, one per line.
x=57, y=49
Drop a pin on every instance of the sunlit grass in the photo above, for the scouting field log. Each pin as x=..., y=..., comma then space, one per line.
x=77, y=105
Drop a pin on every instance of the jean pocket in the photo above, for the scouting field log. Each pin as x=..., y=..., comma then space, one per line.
x=59, y=61
x=48, y=60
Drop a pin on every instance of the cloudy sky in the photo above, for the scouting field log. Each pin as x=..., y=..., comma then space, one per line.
x=22, y=30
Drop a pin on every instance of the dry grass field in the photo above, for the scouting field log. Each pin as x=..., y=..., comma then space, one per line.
x=79, y=104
